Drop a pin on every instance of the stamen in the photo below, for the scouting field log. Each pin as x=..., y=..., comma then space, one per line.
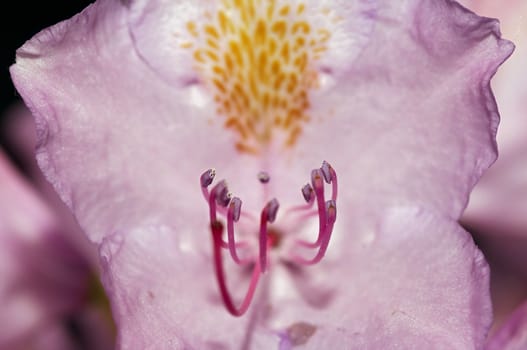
x=326, y=171
x=268, y=216
x=331, y=212
x=207, y=177
x=318, y=186
x=219, y=195
x=217, y=232
x=330, y=176
x=205, y=180
x=273, y=206
x=308, y=193
x=233, y=215
x=222, y=194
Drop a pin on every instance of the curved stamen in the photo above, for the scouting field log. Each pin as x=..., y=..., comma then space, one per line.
x=207, y=177
x=330, y=175
x=308, y=193
x=233, y=215
x=217, y=232
x=222, y=194
x=331, y=210
x=326, y=172
x=318, y=187
x=205, y=181
x=268, y=216
x=333, y=179
x=219, y=195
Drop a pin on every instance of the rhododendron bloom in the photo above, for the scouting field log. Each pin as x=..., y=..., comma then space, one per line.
x=137, y=102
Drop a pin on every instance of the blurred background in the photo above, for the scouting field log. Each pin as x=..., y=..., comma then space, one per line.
x=50, y=294
x=20, y=20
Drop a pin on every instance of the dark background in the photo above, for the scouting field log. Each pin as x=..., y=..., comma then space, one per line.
x=19, y=21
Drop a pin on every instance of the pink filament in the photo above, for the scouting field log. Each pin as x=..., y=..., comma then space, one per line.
x=323, y=245
x=212, y=213
x=303, y=208
x=263, y=238
x=207, y=195
x=231, y=240
x=322, y=218
x=217, y=232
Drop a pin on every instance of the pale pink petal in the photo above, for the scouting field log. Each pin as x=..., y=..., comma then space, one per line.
x=411, y=279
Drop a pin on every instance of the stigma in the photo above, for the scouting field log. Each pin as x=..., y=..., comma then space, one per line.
x=225, y=211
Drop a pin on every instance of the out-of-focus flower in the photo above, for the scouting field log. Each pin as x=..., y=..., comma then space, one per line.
x=134, y=100
x=497, y=212
x=499, y=199
x=46, y=273
x=512, y=335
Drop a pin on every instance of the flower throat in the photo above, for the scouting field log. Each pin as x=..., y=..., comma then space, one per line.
x=257, y=59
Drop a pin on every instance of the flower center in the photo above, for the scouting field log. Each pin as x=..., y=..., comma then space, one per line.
x=257, y=57
x=222, y=203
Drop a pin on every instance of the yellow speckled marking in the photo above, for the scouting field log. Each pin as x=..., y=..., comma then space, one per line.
x=257, y=57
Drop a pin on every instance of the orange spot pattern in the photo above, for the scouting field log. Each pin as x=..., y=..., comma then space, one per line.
x=257, y=56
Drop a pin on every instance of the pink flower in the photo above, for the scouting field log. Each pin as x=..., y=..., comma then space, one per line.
x=135, y=100
x=497, y=208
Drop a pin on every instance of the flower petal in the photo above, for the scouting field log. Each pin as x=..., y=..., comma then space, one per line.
x=414, y=280
x=164, y=296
